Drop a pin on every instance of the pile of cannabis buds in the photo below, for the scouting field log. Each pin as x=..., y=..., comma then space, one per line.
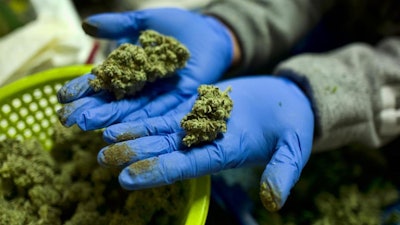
x=67, y=186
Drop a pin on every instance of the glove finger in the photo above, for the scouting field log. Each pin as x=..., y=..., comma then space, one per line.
x=113, y=112
x=144, y=127
x=75, y=89
x=168, y=123
x=71, y=112
x=113, y=25
x=125, y=153
x=157, y=107
x=132, y=109
x=170, y=167
x=282, y=172
x=109, y=113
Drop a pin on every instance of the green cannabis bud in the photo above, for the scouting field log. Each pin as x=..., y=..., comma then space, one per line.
x=128, y=68
x=208, y=116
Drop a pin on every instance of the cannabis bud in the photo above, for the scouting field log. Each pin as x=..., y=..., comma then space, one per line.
x=208, y=116
x=128, y=68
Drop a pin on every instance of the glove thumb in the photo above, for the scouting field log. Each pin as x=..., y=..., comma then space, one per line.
x=113, y=25
x=282, y=172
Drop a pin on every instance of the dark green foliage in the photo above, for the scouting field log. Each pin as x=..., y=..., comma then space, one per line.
x=67, y=186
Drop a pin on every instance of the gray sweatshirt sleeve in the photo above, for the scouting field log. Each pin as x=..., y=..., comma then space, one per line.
x=268, y=29
x=355, y=91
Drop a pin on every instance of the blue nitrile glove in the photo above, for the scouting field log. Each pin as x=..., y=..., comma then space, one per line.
x=207, y=39
x=271, y=124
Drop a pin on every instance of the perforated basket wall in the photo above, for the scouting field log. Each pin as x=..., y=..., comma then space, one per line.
x=28, y=106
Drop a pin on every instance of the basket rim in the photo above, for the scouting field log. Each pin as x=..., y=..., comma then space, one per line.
x=67, y=72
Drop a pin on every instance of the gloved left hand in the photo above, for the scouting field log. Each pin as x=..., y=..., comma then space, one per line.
x=271, y=124
x=211, y=50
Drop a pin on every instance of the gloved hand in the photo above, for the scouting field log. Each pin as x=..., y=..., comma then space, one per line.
x=271, y=124
x=207, y=39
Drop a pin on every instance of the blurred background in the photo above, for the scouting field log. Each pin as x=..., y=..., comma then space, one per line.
x=37, y=35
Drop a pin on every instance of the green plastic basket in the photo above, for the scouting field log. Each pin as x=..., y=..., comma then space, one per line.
x=28, y=109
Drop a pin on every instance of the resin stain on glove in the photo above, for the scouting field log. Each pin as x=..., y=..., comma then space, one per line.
x=117, y=155
x=269, y=199
x=141, y=167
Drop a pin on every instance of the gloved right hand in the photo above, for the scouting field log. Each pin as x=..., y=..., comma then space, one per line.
x=271, y=124
x=208, y=40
